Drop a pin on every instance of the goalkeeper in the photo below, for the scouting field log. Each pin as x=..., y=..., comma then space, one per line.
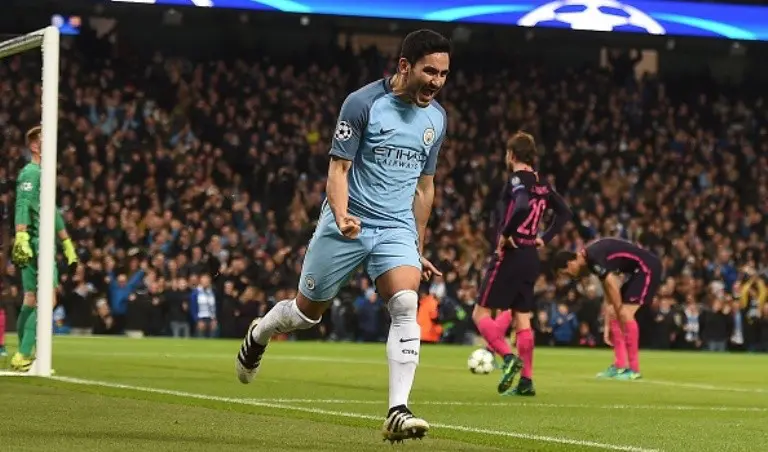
x=25, y=249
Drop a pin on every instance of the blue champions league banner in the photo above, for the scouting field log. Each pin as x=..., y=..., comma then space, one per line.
x=652, y=17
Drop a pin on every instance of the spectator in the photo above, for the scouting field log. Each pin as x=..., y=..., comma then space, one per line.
x=752, y=294
x=764, y=329
x=177, y=304
x=691, y=326
x=60, y=327
x=252, y=305
x=104, y=322
x=203, y=307
x=121, y=289
x=229, y=310
x=738, y=325
x=715, y=326
x=369, y=309
x=343, y=318
x=543, y=334
x=156, y=322
x=663, y=331
x=428, y=318
x=586, y=338
x=564, y=325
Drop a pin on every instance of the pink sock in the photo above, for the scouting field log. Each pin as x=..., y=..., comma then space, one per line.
x=525, y=350
x=633, y=345
x=2, y=327
x=503, y=320
x=496, y=341
x=619, y=345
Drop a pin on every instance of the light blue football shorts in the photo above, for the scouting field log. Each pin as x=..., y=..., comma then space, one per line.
x=331, y=258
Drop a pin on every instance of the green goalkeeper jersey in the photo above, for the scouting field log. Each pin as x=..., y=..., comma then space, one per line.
x=28, y=202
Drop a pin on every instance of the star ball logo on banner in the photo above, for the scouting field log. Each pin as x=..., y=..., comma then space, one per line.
x=592, y=15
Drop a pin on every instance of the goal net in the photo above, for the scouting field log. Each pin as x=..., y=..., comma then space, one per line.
x=47, y=40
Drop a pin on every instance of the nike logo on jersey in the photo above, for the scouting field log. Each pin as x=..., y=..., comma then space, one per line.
x=402, y=341
x=384, y=131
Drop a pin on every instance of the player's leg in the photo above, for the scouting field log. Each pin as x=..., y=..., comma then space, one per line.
x=328, y=263
x=503, y=320
x=395, y=267
x=492, y=297
x=22, y=360
x=26, y=324
x=500, y=287
x=523, y=308
x=640, y=290
x=494, y=336
x=631, y=335
x=620, y=359
x=29, y=288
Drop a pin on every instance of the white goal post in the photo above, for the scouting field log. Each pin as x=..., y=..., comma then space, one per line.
x=48, y=40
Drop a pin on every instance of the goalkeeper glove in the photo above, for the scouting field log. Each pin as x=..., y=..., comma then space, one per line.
x=22, y=254
x=69, y=253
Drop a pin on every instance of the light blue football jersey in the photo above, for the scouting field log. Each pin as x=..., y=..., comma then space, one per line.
x=391, y=143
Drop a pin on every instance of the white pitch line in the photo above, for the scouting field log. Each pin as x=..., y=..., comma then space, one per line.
x=525, y=404
x=11, y=373
x=280, y=406
x=703, y=386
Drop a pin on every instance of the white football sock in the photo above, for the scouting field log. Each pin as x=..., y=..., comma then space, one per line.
x=284, y=317
x=403, y=346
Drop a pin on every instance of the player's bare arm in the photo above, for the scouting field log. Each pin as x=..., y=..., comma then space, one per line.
x=563, y=214
x=422, y=209
x=337, y=189
x=422, y=205
x=607, y=324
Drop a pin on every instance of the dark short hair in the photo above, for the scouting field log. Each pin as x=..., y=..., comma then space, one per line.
x=420, y=43
x=524, y=147
x=560, y=260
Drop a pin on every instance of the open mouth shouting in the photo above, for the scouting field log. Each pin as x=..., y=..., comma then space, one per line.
x=425, y=95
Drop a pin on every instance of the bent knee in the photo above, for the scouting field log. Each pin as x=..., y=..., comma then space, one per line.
x=479, y=313
x=403, y=305
x=398, y=279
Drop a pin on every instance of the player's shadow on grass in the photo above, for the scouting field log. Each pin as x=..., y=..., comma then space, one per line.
x=182, y=436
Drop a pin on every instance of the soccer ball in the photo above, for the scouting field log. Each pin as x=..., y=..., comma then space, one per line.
x=592, y=15
x=481, y=362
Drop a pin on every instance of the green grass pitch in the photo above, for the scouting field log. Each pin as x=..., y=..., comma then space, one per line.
x=117, y=394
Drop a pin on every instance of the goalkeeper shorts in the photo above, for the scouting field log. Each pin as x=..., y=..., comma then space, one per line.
x=29, y=277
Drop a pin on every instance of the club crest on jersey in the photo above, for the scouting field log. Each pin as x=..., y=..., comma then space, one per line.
x=429, y=136
x=310, y=282
x=515, y=181
x=343, y=131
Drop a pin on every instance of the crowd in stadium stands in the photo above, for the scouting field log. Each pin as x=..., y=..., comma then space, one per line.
x=163, y=166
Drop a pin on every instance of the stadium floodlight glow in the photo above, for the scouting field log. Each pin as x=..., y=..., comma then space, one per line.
x=47, y=40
